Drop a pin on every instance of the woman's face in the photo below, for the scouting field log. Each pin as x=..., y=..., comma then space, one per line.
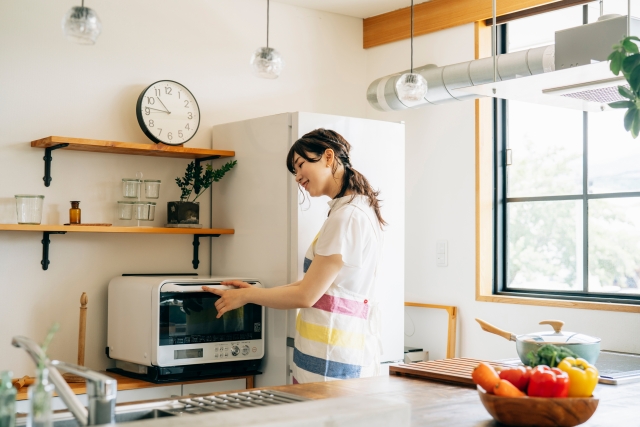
x=316, y=177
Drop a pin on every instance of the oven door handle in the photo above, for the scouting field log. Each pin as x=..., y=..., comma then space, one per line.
x=173, y=288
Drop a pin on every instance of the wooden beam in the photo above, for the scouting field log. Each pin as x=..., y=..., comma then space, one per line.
x=436, y=15
x=562, y=4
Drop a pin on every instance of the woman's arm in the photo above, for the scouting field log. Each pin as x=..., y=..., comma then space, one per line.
x=302, y=294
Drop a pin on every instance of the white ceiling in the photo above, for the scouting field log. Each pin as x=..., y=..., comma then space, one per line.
x=357, y=8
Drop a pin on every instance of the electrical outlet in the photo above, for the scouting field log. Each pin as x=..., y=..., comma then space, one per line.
x=442, y=253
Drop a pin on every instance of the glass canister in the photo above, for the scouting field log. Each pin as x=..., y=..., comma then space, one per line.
x=29, y=208
x=131, y=188
x=141, y=211
x=7, y=400
x=152, y=210
x=152, y=188
x=125, y=210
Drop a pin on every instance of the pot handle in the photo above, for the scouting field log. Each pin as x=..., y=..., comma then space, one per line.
x=555, y=324
x=493, y=330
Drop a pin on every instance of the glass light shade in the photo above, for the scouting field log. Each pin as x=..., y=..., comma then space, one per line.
x=411, y=87
x=81, y=25
x=267, y=63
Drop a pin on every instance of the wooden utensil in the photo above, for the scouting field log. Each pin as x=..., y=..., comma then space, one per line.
x=457, y=370
x=25, y=381
x=539, y=411
x=82, y=333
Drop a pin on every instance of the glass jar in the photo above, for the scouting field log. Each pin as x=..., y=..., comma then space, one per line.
x=40, y=411
x=125, y=210
x=131, y=188
x=74, y=213
x=152, y=188
x=7, y=400
x=29, y=208
x=141, y=211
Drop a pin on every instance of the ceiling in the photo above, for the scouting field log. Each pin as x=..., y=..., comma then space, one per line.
x=356, y=8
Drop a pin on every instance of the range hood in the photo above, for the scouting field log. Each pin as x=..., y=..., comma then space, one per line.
x=573, y=73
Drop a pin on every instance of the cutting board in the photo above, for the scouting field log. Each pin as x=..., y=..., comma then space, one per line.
x=457, y=370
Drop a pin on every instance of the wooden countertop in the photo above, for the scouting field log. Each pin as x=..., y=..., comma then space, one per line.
x=436, y=404
x=126, y=383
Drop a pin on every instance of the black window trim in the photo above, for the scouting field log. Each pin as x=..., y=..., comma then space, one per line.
x=500, y=246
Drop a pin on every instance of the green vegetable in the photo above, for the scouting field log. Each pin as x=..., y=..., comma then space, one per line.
x=549, y=355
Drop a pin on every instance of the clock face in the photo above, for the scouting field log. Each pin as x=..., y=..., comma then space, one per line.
x=168, y=113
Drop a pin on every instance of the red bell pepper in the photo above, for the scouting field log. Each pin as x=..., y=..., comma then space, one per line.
x=548, y=382
x=518, y=376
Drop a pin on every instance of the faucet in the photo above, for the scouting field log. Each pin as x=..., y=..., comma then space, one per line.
x=101, y=389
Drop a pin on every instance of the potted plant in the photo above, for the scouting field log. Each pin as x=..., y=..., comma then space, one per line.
x=625, y=58
x=195, y=181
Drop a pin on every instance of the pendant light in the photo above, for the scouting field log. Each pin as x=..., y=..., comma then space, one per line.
x=266, y=62
x=411, y=86
x=81, y=25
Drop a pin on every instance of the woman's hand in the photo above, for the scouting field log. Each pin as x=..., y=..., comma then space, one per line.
x=229, y=299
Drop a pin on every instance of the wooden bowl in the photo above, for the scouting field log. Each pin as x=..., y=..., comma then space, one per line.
x=539, y=411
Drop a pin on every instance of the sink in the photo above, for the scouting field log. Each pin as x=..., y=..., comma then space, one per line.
x=189, y=405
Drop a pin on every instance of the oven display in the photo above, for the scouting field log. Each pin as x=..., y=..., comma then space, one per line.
x=190, y=318
x=187, y=354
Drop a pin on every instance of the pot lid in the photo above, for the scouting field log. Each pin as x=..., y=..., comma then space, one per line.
x=557, y=335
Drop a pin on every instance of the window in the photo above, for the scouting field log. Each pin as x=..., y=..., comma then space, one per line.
x=567, y=215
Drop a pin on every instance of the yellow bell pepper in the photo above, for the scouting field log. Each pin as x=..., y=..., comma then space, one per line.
x=583, y=376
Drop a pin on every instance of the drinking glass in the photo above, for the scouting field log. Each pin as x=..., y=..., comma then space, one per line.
x=145, y=211
x=29, y=208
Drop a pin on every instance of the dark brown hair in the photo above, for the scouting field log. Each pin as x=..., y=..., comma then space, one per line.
x=312, y=146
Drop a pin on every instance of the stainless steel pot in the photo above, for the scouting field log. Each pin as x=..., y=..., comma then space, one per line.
x=584, y=346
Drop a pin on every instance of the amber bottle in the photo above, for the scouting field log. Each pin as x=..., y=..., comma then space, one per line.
x=74, y=213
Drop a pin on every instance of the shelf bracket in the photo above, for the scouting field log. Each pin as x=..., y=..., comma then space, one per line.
x=47, y=162
x=45, y=247
x=196, y=188
x=196, y=245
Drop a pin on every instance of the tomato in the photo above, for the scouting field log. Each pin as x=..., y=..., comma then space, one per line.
x=518, y=376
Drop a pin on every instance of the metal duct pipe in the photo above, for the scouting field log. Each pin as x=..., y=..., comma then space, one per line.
x=441, y=81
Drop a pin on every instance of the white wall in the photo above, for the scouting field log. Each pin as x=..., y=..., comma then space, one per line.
x=440, y=205
x=49, y=86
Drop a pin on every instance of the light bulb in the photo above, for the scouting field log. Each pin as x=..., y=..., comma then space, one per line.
x=81, y=25
x=267, y=63
x=411, y=87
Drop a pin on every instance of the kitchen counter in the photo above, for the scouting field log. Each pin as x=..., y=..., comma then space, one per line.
x=437, y=404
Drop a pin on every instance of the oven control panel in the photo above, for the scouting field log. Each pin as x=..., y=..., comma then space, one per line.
x=235, y=350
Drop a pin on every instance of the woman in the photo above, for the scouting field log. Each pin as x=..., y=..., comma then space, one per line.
x=337, y=325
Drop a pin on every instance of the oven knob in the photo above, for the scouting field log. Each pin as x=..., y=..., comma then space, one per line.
x=235, y=350
x=245, y=350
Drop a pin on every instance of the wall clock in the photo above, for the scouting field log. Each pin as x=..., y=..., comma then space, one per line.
x=168, y=113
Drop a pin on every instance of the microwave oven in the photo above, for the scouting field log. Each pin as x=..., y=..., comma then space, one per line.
x=163, y=328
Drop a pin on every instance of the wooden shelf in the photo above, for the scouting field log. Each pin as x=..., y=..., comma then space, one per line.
x=113, y=147
x=104, y=229
x=48, y=230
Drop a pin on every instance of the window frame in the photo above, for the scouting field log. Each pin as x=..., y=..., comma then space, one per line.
x=500, y=202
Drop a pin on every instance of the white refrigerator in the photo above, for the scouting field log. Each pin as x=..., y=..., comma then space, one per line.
x=261, y=201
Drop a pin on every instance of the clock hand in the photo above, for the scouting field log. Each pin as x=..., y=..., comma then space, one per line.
x=155, y=109
x=165, y=107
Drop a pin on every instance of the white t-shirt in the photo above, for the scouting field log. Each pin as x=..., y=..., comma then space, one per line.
x=353, y=231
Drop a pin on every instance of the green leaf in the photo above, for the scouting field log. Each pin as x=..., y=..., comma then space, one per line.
x=630, y=62
x=623, y=91
x=628, y=118
x=622, y=104
x=616, y=62
x=633, y=38
x=629, y=46
x=634, y=79
x=635, y=127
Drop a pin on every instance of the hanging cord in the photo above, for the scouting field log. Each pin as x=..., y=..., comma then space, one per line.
x=267, y=24
x=411, y=36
